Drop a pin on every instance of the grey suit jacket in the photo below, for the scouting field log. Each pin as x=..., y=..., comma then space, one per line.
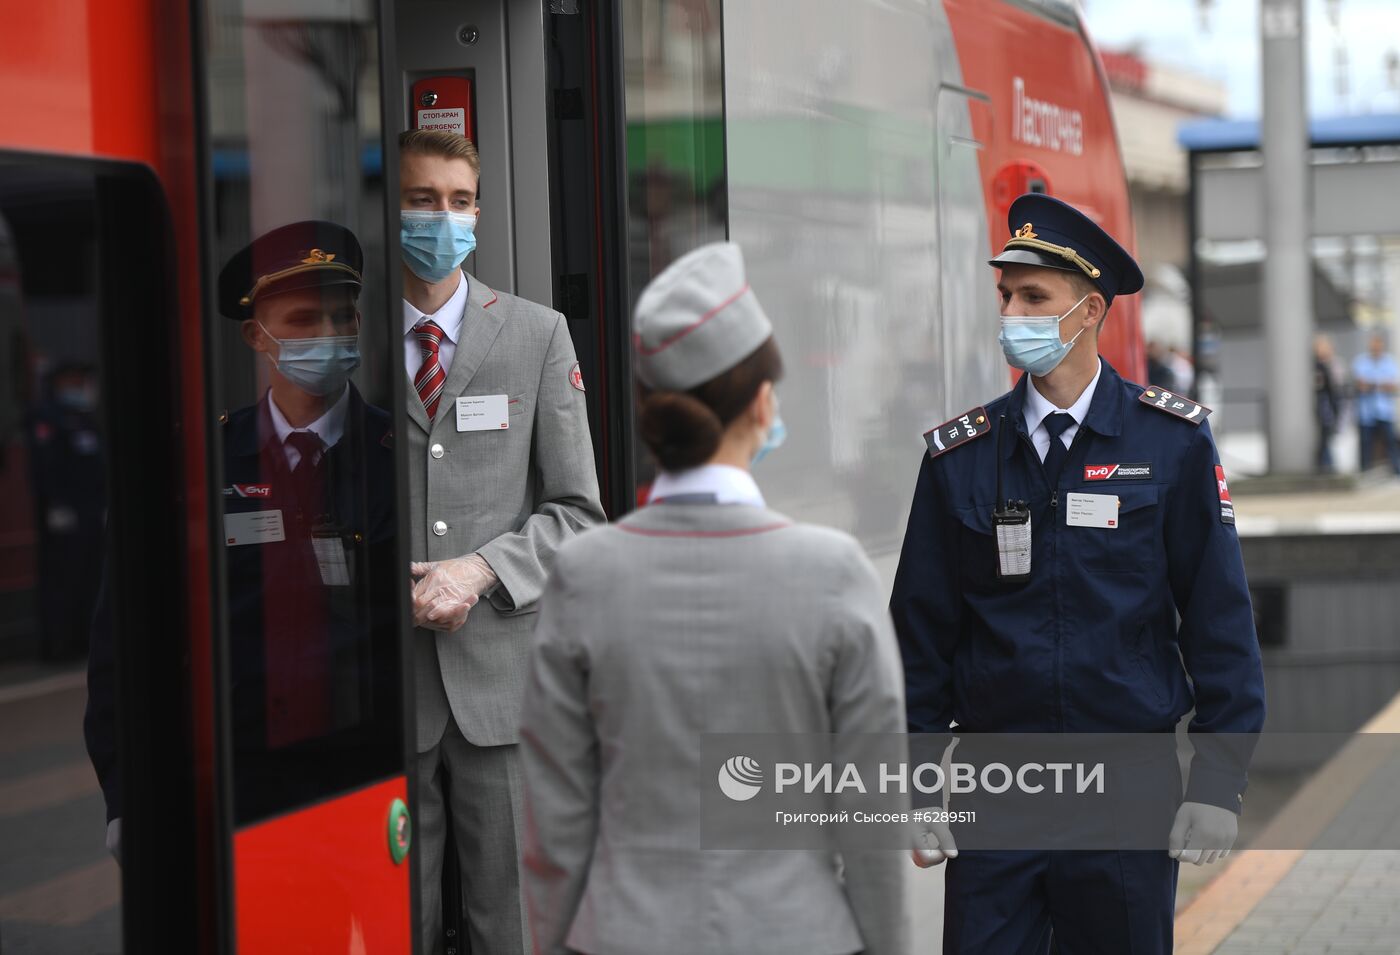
x=513, y=496
x=682, y=620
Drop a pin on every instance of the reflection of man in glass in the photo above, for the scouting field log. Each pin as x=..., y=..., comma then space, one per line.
x=301, y=496
x=308, y=526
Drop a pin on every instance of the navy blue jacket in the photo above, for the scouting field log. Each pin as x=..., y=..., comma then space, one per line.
x=276, y=598
x=275, y=593
x=1091, y=642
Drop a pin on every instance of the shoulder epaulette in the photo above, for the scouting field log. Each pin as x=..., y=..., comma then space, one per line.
x=960, y=430
x=1183, y=408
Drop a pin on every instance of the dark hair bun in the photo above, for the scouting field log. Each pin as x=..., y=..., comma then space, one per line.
x=680, y=430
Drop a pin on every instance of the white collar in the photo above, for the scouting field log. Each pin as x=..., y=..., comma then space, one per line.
x=729, y=485
x=329, y=427
x=1038, y=406
x=448, y=318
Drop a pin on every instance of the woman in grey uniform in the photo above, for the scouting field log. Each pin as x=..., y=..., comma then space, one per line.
x=701, y=613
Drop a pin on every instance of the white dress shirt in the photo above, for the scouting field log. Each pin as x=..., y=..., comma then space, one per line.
x=729, y=485
x=330, y=427
x=1038, y=406
x=448, y=318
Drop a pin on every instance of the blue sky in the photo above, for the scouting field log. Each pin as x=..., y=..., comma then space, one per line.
x=1227, y=48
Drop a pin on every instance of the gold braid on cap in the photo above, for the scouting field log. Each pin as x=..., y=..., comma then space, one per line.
x=1025, y=238
x=315, y=259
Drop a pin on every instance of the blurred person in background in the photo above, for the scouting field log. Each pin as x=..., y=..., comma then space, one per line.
x=1375, y=376
x=1183, y=371
x=1327, y=400
x=1159, y=370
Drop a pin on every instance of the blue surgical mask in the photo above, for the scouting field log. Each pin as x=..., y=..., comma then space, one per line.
x=318, y=366
x=1032, y=342
x=777, y=434
x=435, y=244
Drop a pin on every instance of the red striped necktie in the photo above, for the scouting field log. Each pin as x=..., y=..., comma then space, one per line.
x=430, y=378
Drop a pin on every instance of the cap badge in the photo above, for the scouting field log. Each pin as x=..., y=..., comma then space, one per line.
x=317, y=257
x=1025, y=232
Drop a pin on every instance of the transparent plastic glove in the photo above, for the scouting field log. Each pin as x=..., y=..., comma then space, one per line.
x=446, y=590
x=114, y=839
x=1202, y=834
x=933, y=843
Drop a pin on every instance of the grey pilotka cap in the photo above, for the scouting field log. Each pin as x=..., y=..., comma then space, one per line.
x=696, y=319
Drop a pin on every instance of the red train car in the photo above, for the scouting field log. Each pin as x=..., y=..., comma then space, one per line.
x=1047, y=126
x=142, y=142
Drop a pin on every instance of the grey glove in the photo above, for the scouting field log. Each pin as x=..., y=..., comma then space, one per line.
x=114, y=839
x=1202, y=833
x=933, y=843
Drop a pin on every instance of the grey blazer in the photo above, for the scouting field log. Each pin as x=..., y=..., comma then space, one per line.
x=685, y=619
x=512, y=495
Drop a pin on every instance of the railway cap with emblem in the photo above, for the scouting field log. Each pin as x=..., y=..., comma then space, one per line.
x=696, y=319
x=299, y=255
x=1050, y=233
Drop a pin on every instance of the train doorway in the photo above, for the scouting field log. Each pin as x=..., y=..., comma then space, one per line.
x=538, y=86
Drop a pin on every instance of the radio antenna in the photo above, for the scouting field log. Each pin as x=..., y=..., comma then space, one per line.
x=1001, y=426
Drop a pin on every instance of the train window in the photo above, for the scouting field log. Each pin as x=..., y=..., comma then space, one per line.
x=967, y=288
x=52, y=455
x=674, y=74
x=676, y=178
x=306, y=363
x=84, y=325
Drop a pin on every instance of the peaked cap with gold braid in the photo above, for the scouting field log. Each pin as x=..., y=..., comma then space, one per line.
x=298, y=255
x=1053, y=234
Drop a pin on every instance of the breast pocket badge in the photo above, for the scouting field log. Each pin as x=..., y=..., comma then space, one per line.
x=483, y=412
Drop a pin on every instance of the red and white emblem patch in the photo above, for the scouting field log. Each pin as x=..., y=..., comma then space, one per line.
x=1118, y=472
x=1227, y=507
x=576, y=377
x=253, y=490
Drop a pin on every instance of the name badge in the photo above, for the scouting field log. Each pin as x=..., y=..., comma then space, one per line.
x=253, y=527
x=483, y=413
x=1091, y=510
x=330, y=557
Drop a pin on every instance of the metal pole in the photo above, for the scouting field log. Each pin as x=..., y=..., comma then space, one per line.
x=1288, y=294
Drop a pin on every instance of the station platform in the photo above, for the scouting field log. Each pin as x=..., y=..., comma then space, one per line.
x=1371, y=506
x=1303, y=900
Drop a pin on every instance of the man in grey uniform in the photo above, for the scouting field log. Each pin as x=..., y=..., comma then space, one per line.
x=500, y=475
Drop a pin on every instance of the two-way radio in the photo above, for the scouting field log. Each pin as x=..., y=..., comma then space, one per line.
x=1011, y=521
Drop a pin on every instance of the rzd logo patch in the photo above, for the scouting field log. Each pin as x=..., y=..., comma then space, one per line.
x=1227, y=507
x=1117, y=472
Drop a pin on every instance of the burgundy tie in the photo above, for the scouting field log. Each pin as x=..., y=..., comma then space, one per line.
x=430, y=378
x=306, y=476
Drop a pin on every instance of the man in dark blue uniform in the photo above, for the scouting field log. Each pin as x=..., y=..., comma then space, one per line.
x=307, y=492
x=308, y=521
x=1120, y=491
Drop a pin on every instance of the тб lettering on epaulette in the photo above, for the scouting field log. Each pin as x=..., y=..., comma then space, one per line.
x=1183, y=408
x=960, y=430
